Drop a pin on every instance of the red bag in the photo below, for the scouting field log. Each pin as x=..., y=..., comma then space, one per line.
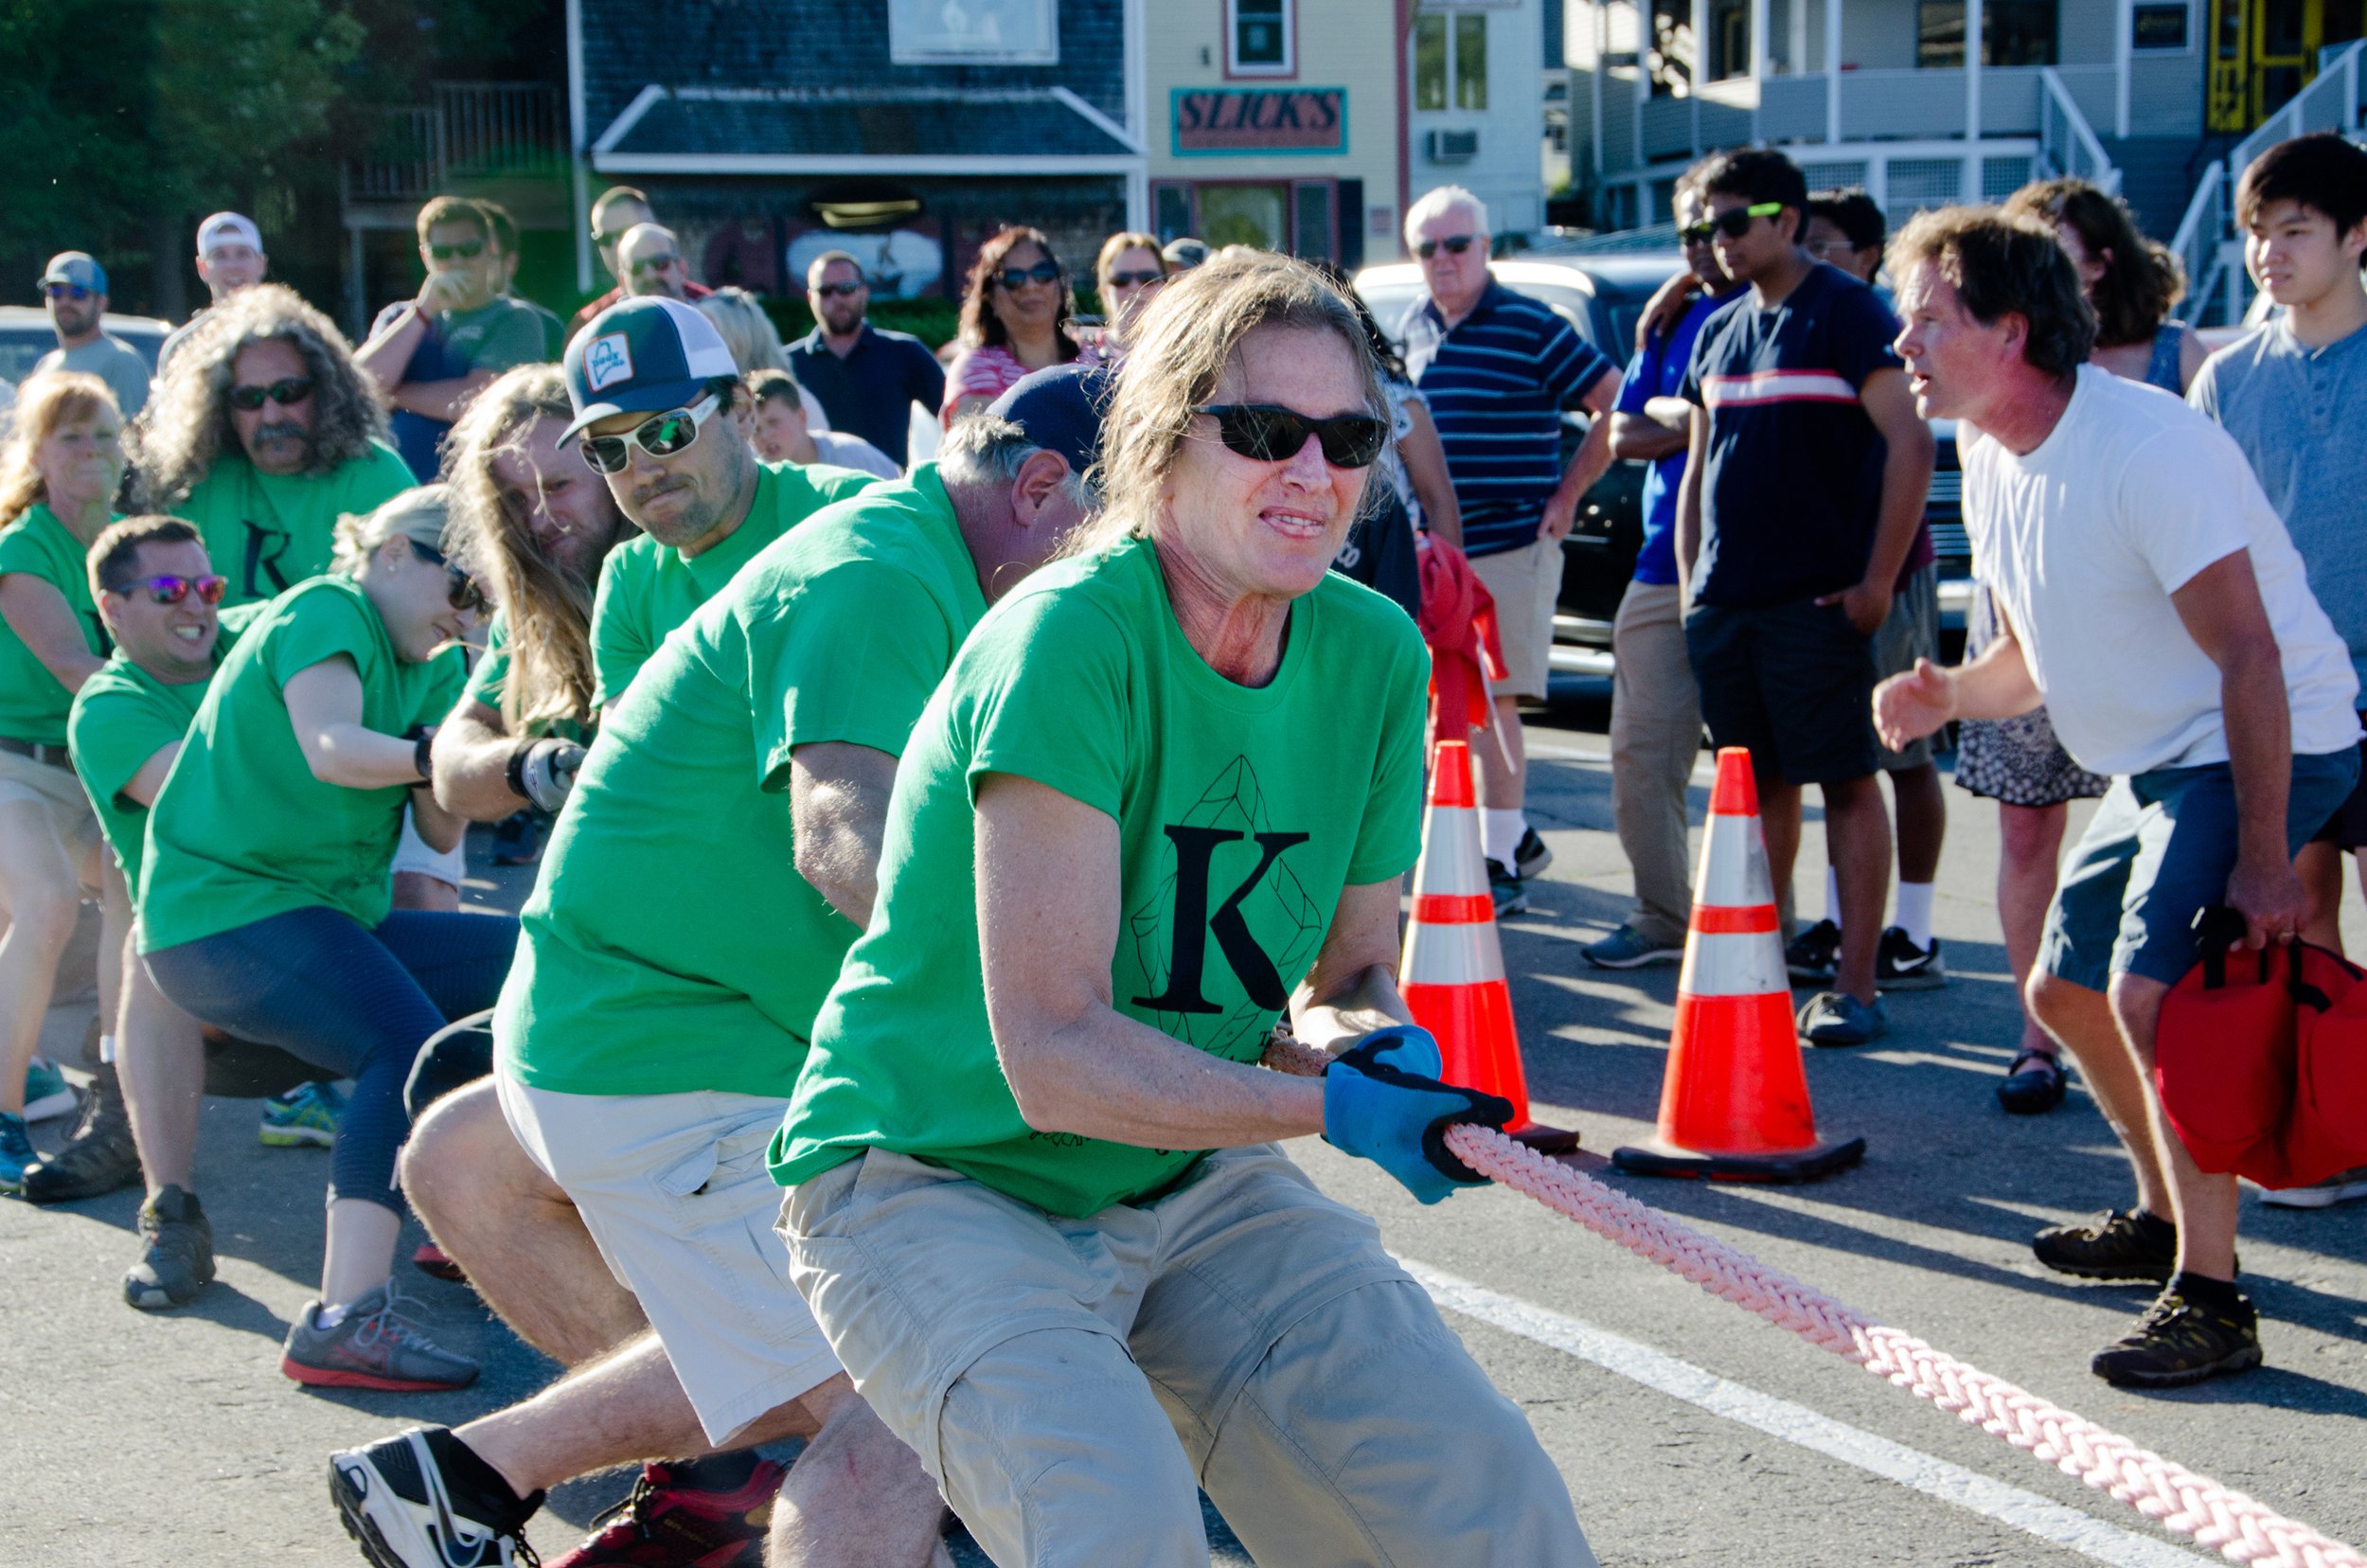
x=2329, y=1130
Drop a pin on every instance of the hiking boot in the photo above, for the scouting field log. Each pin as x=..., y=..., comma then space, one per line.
x=2182, y=1340
x=176, y=1251
x=1530, y=856
x=2334, y=1189
x=1837, y=1018
x=2118, y=1244
x=1814, y=955
x=669, y=1518
x=47, y=1094
x=1901, y=966
x=1511, y=893
x=376, y=1344
x=98, y=1155
x=304, y=1117
x=405, y=1509
x=17, y=1154
x=1629, y=948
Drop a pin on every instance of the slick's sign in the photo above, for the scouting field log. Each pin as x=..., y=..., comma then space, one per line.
x=1260, y=119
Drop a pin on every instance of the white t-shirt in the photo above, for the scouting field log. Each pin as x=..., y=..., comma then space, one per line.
x=2084, y=540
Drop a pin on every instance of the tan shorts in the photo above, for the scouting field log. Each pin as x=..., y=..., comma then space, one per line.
x=56, y=789
x=1067, y=1382
x=1910, y=632
x=1526, y=582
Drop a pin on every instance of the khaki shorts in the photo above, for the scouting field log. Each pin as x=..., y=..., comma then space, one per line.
x=1910, y=632
x=1068, y=1382
x=1526, y=582
x=674, y=1191
x=59, y=791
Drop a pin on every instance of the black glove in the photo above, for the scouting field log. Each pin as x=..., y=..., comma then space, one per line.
x=544, y=771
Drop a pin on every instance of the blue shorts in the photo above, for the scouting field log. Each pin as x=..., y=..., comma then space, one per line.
x=2161, y=849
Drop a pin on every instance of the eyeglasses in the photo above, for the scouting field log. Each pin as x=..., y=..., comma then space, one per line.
x=1271, y=434
x=660, y=437
x=468, y=250
x=167, y=589
x=838, y=291
x=1453, y=244
x=654, y=263
x=65, y=291
x=1015, y=278
x=460, y=589
x=608, y=242
x=1135, y=279
x=287, y=394
x=1734, y=223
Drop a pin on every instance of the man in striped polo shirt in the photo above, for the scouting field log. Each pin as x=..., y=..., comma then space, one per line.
x=1497, y=369
x=1804, y=487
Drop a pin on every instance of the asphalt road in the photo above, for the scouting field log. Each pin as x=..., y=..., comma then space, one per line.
x=1690, y=1432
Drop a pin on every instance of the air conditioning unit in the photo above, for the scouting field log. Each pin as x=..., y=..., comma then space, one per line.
x=1453, y=146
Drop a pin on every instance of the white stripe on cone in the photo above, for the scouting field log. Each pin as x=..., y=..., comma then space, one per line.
x=1465, y=954
x=1451, y=861
x=1733, y=964
x=1734, y=870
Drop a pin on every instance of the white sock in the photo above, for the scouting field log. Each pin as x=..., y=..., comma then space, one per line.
x=107, y=1049
x=1500, y=834
x=1914, y=911
x=1832, y=896
x=329, y=1317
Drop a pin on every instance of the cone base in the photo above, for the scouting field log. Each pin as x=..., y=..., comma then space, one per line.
x=1657, y=1158
x=1545, y=1140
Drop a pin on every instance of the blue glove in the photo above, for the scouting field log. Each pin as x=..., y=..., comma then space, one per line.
x=1408, y=1047
x=1399, y=1120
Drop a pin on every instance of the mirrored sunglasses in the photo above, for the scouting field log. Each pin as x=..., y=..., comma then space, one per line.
x=1734, y=223
x=661, y=436
x=167, y=589
x=65, y=291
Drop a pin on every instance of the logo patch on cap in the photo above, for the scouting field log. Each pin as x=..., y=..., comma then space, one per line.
x=607, y=361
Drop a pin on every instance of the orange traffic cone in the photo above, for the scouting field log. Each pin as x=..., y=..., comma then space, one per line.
x=1734, y=1106
x=1453, y=975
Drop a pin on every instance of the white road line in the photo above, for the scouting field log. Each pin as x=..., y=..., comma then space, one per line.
x=1797, y=1424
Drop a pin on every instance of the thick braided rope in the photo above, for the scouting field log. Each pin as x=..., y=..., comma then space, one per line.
x=2163, y=1490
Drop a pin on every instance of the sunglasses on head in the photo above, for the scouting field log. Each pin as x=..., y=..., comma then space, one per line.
x=1271, y=434
x=661, y=436
x=468, y=250
x=838, y=290
x=1453, y=244
x=1136, y=280
x=287, y=394
x=1013, y=279
x=460, y=589
x=167, y=589
x=1734, y=223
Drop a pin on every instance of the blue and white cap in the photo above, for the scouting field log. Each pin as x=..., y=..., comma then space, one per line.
x=644, y=355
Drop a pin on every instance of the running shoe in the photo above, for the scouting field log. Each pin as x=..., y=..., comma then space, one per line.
x=668, y=1520
x=1814, y=955
x=17, y=1154
x=2180, y=1341
x=2035, y=1083
x=2335, y=1189
x=304, y=1117
x=1901, y=966
x=518, y=839
x=403, y=1511
x=2119, y=1244
x=98, y=1155
x=376, y=1344
x=176, y=1251
x=1530, y=857
x=1837, y=1018
x=435, y=1263
x=1511, y=893
x=47, y=1096
x=1629, y=948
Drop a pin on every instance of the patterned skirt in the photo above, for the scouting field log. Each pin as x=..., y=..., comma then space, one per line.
x=2015, y=761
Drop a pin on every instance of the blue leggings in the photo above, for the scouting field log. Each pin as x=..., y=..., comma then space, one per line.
x=355, y=1002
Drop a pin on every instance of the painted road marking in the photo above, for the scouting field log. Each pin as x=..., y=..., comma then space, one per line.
x=2027, y=1511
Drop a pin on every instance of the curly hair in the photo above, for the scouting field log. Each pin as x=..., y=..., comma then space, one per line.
x=2003, y=263
x=2142, y=280
x=545, y=613
x=59, y=398
x=186, y=425
x=981, y=327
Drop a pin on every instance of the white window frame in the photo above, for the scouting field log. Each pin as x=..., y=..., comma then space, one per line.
x=909, y=46
x=1236, y=66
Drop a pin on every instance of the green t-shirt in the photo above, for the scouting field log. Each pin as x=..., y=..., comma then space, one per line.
x=122, y=717
x=646, y=589
x=1248, y=810
x=266, y=532
x=496, y=336
x=671, y=945
x=488, y=676
x=34, y=702
x=241, y=829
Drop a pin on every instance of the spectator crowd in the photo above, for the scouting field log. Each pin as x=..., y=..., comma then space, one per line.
x=835, y=732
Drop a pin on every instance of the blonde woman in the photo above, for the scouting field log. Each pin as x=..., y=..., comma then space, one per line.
x=58, y=475
x=1126, y=273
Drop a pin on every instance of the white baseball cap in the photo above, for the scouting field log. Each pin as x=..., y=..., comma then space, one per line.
x=228, y=226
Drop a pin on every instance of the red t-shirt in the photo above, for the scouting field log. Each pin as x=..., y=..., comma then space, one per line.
x=584, y=319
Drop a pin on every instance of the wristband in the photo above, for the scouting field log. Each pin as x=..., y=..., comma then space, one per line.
x=515, y=774
x=422, y=755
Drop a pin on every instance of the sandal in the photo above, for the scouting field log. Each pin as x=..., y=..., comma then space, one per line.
x=2032, y=1091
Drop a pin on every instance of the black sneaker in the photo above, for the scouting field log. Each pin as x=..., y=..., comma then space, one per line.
x=2121, y=1244
x=398, y=1503
x=98, y=1155
x=1530, y=857
x=2180, y=1341
x=1900, y=965
x=1814, y=955
x=176, y=1251
x=1511, y=893
x=517, y=839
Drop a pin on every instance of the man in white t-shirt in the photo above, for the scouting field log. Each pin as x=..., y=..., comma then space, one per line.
x=2154, y=603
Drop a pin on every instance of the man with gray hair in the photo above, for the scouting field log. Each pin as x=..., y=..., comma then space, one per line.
x=648, y=257
x=666, y=986
x=1497, y=369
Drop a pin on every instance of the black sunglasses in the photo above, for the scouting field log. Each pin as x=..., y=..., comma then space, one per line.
x=1453, y=244
x=660, y=436
x=167, y=589
x=1135, y=279
x=1734, y=223
x=838, y=291
x=460, y=589
x=1273, y=435
x=468, y=250
x=1042, y=271
x=287, y=394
